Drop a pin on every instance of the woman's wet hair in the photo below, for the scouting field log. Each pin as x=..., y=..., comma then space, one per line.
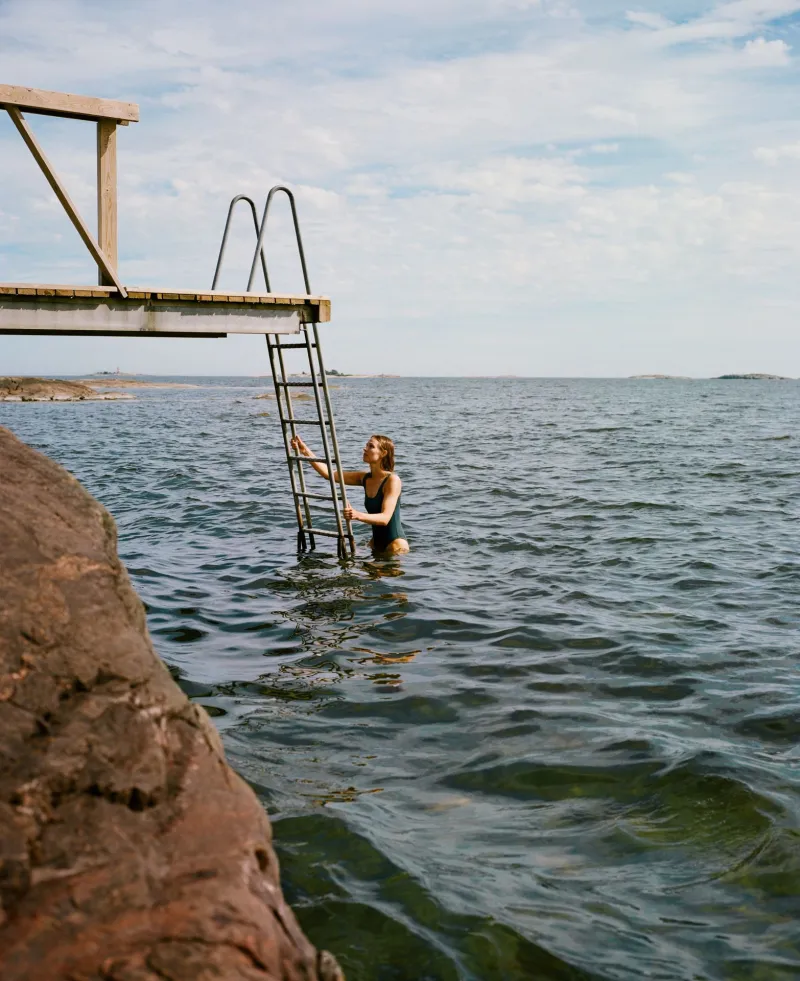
x=386, y=446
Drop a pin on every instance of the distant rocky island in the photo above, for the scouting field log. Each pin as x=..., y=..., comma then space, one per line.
x=20, y=389
x=104, y=387
x=751, y=376
x=754, y=376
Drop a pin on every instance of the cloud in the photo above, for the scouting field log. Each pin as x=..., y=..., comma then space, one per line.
x=612, y=114
x=761, y=53
x=507, y=180
x=645, y=18
x=773, y=155
x=724, y=22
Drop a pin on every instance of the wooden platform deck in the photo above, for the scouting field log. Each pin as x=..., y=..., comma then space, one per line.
x=27, y=308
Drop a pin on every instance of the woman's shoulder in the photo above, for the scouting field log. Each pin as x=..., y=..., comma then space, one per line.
x=393, y=480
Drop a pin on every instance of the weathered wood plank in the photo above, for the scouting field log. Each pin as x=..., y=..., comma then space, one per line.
x=109, y=290
x=65, y=104
x=107, y=193
x=315, y=307
x=61, y=193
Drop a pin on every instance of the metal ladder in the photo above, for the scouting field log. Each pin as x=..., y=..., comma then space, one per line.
x=304, y=501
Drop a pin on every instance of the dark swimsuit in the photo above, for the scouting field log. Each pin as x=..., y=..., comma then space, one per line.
x=382, y=535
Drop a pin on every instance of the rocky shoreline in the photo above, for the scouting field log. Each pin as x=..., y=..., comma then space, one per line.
x=129, y=849
x=102, y=389
x=20, y=389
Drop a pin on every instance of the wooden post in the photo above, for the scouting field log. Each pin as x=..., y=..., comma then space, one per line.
x=107, y=194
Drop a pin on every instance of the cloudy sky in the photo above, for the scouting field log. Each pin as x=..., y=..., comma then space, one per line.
x=532, y=187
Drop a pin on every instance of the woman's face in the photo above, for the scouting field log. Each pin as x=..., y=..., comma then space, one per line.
x=372, y=452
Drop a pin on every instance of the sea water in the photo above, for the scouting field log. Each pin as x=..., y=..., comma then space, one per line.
x=559, y=739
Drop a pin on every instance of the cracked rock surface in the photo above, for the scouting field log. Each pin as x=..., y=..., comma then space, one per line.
x=129, y=849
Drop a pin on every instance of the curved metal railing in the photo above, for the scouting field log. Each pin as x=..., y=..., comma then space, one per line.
x=261, y=231
x=232, y=206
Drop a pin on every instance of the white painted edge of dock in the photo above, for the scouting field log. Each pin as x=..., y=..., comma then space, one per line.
x=99, y=316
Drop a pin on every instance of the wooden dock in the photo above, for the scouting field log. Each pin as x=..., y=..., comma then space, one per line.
x=112, y=308
x=115, y=309
x=101, y=311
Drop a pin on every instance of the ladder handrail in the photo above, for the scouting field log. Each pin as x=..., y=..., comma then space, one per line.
x=327, y=395
x=332, y=461
x=218, y=269
x=263, y=230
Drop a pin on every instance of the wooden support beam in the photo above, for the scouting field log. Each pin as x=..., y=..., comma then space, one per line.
x=65, y=104
x=102, y=312
x=107, y=193
x=103, y=263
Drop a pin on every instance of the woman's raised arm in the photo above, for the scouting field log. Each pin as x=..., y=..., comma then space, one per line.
x=353, y=477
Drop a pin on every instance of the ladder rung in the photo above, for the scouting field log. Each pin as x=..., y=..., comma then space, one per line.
x=323, y=531
x=297, y=384
x=305, y=422
x=308, y=459
x=283, y=347
x=315, y=497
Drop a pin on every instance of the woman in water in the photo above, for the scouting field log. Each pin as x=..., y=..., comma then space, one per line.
x=382, y=489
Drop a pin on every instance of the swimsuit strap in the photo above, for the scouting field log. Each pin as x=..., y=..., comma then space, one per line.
x=364, y=480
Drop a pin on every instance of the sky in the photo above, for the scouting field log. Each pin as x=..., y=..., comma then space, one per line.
x=486, y=187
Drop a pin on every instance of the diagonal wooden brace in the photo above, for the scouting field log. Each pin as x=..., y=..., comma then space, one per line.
x=104, y=263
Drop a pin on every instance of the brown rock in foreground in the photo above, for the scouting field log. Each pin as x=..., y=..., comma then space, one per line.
x=129, y=850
